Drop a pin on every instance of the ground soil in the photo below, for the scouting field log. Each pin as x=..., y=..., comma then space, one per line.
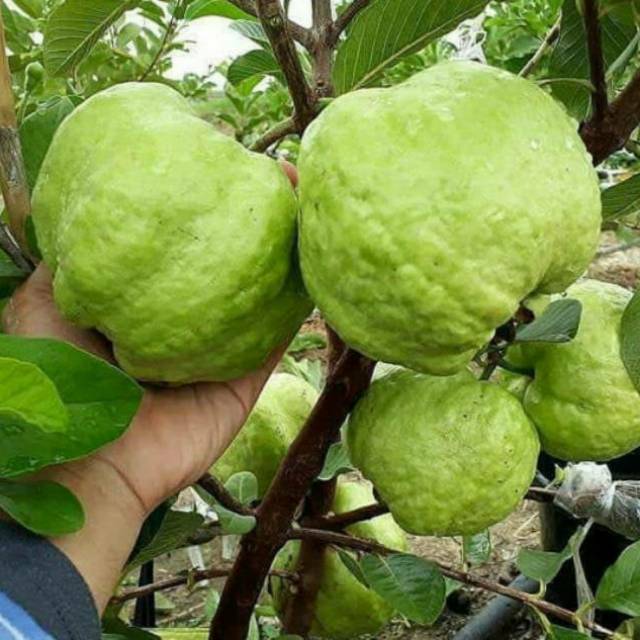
x=521, y=529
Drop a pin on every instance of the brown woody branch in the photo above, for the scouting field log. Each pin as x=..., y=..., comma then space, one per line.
x=596, y=59
x=215, y=488
x=342, y=520
x=192, y=577
x=346, y=17
x=300, y=467
x=548, y=41
x=275, y=134
x=323, y=49
x=539, y=494
x=346, y=541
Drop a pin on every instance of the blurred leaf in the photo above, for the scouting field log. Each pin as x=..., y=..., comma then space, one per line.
x=150, y=528
x=630, y=629
x=619, y=588
x=562, y=633
x=630, y=339
x=252, y=30
x=336, y=462
x=174, y=531
x=101, y=401
x=414, y=586
x=46, y=508
x=74, y=27
x=388, y=30
x=36, y=133
x=309, y=370
x=542, y=565
x=570, y=59
x=352, y=565
x=243, y=486
x=17, y=28
x=621, y=200
x=28, y=398
x=306, y=342
x=558, y=323
x=33, y=8
x=223, y=8
x=10, y=275
x=114, y=627
x=234, y=523
x=476, y=549
x=256, y=63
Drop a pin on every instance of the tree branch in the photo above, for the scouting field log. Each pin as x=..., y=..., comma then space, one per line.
x=346, y=17
x=343, y=520
x=548, y=41
x=274, y=23
x=275, y=134
x=596, y=59
x=300, y=467
x=13, y=179
x=323, y=49
x=215, y=488
x=346, y=541
x=192, y=577
x=299, y=33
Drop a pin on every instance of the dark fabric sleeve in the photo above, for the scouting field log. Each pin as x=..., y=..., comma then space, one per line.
x=41, y=580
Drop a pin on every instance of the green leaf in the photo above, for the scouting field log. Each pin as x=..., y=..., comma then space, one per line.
x=17, y=29
x=621, y=200
x=630, y=629
x=28, y=398
x=477, y=548
x=570, y=58
x=33, y=8
x=256, y=63
x=243, y=486
x=352, y=565
x=307, y=369
x=46, y=508
x=10, y=276
x=114, y=627
x=630, y=339
x=306, y=342
x=232, y=523
x=542, y=565
x=558, y=323
x=174, y=531
x=73, y=29
x=562, y=633
x=252, y=30
x=101, y=401
x=388, y=30
x=223, y=8
x=414, y=586
x=336, y=462
x=619, y=588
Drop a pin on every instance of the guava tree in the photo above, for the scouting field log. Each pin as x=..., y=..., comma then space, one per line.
x=483, y=285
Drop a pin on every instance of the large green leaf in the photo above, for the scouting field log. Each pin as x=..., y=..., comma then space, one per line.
x=622, y=200
x=630, y=339
x=388, y=30
x=37, y=130
x=222, y=8
x=46, y=508
x=619, y=588
x=414, y=586
x=101, y=401
x=570, y=61
x=254, y=64
x=74, y=27
x=28, y=398
x=542, y=565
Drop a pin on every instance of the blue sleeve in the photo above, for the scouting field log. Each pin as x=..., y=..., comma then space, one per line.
x=42, y=596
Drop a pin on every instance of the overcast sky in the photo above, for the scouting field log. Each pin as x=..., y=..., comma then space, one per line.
x=214, y=42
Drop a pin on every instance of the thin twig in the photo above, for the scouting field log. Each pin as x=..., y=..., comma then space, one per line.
x=9, y=246
x=625, y=246
x=274, y=24
x=342, y=520
x=275, y=134
x=540, y=494
x=367, y=546
x=168, y=33
x=215, y=488
x=191, y=578
x=548, y=41
x=346, y=17
x=596, y=59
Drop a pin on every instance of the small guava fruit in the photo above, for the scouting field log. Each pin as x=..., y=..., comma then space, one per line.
x=344, y=607
x=272, y=426
x=431, y=209
x=448, y=455
x=582, y=400
x=168, y=237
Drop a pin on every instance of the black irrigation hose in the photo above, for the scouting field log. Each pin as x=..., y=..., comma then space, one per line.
x=496, y=614
x=144, y=615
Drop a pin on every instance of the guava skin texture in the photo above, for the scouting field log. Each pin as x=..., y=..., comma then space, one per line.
x=344, y=607
x=582, y=400
x=168, y=237
x=272, y=426
x=431, y=209
x=448, y=455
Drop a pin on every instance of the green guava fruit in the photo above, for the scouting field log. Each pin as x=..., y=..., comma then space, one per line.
x=168, y=237
x=270, y=429
x=344, y=608
x=448, y=455
x=582, y=400
x=431, y=209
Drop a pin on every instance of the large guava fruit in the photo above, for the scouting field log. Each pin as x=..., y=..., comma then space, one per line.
x=448, y=455
x=168, y=237
x=344, y=608
x=431, y=209
x=272, y=426
x=582, y=400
